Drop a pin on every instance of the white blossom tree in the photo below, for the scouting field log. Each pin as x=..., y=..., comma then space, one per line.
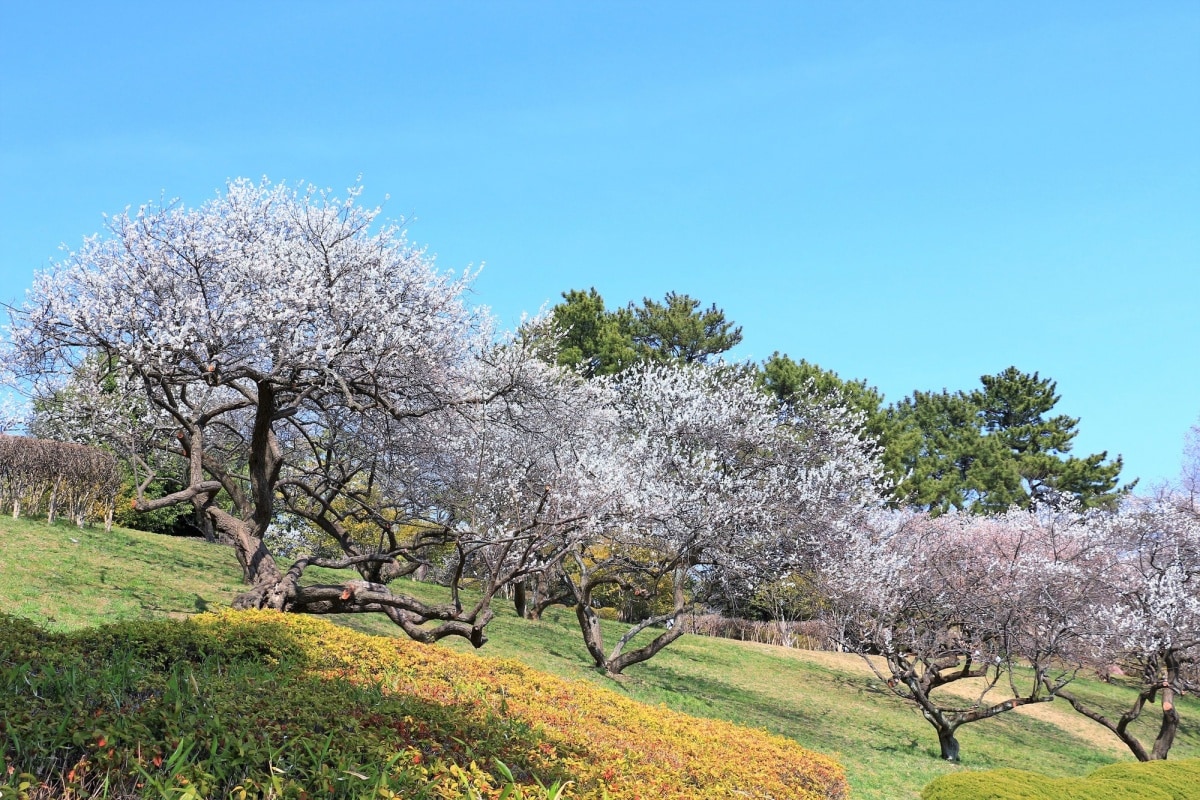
x=713, y=479
x=13, y=414
x=1150, y=615
x=957, y=597
x=297, y=361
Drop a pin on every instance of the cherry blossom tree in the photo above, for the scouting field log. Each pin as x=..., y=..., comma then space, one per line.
x=13, y=414
x=295, y=357
x=1150, y=610
x=930, y=602
x=713, y=478
x=487, y=493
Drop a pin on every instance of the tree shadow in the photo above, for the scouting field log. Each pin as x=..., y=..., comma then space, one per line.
x=236, y=685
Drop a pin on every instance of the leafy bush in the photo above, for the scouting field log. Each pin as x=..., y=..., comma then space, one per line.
x=261, y=704
x=1180, y=780
x=1155, y=780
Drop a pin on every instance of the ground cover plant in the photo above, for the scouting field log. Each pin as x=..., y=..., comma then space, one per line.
x=829, y=702
x=258, y=704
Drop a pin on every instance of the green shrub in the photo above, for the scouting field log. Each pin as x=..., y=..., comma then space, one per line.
x=165, y=642
x=996, y=784
x=1156, y=780
x=1179, y=779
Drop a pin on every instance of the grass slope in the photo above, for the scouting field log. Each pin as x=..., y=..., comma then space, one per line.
x=828, y=702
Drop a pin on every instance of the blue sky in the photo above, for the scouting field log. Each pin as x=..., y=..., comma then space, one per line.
x=915, y=194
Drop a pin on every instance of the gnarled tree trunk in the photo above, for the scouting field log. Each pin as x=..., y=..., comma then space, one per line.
x=617, y=660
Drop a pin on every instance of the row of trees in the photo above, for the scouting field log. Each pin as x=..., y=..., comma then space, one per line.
x=984, y=450
x=1004, y=558
x=315, y=393
x=289, y=369
x=40, y=477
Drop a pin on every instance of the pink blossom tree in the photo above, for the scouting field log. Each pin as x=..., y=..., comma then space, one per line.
x=930, y=602
x=1149, y=612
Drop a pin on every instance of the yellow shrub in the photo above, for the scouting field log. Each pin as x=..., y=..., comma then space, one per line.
x=610, y=746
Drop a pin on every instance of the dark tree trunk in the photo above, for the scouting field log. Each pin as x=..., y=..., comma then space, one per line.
x=205, y=525
x=1166, y=730
x=615, y=662
x=520, y=601
x=949, y=744
x=589, y=624
x=934, y=715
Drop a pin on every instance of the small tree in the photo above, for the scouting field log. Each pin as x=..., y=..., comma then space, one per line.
x=714, y=479
x=1151, y=616
x=99, y=404
x=947, y=599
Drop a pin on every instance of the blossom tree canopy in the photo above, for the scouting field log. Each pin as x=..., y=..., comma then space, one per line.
x=718, y=485
x=949, y=598
x=289, y=355
x=1148, y=615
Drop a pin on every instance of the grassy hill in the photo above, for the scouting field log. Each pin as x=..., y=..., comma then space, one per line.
x=68, y=578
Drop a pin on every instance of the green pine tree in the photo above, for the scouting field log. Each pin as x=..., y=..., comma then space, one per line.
x=994, y=448
x=601, y=342
x=678, y=331
x=594, y=340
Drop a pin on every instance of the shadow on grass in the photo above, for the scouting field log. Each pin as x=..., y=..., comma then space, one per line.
x=234, y=702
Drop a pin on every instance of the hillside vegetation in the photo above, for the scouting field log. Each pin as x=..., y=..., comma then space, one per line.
x=67, y=578
x=261, y=704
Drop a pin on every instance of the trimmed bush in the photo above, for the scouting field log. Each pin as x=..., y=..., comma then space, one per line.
x=1155, y=780
x=1179, y=779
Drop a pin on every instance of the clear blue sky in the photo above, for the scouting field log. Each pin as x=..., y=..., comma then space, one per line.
x=911, y=193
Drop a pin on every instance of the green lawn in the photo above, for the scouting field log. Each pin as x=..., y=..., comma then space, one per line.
x=66, y=577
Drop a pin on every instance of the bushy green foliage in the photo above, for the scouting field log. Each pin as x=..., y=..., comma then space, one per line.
x=1155, y=780
x=993, y=448
x=168, y=709
x=1179, y=779
x=170, y=520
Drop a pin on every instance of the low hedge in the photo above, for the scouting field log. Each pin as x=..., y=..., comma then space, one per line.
x=1153, y=780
